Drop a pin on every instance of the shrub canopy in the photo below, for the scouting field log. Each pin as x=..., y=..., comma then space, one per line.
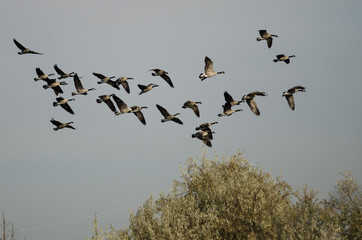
x=232, y=199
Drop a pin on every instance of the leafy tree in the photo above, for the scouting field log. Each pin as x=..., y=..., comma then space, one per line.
x=345, y=205
x=232, y=199
x=111, y=234
x=309, y=217
x=227, y=199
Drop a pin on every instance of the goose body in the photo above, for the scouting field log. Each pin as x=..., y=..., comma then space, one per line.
x=123, y=81
x=61, y=73
x=205, y=136
x=122, y=106
x=163, y=75
x=63, y=102
x=24, y=50
x=167, y=116
x=53, y=84
x=79, y=87
x=60, y=125
x=227, y=110
x=209, y=70
x=283, y=58
x=289, y=95
x=264, y=35
x=107, y=100
x=205, y=126
x=41, y=75
x=147, y=88
x=193, y=106
x=104, y=79
x=203, y=133
x=229, y=99
x=250, y=101
x=137, y=111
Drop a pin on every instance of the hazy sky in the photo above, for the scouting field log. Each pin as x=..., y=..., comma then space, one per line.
x=52, y=182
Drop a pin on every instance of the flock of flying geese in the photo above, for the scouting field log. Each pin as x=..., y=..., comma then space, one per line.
x=204, y=132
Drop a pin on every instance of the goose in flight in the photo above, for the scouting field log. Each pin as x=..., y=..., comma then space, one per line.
x=163, y=74
x=205, y=136
x=108, y=80
x=137, y=111
x=283, y=58
x=60, y=125
x=123, y=81
x=229, y=99
x=264, y=35
x=122, y=106
x=63, y=102
x=24, y=50
x=250, y=101
x=147, y=88
x=107, y=100
x=53, y=84
x=204, y=133
x=209, y=70
x=193, y=106
x=79, y=87
x=41, y=75
x=167, y=116
x=289, y=95
x=205, y=126
x=227, y=110
x=61, y=73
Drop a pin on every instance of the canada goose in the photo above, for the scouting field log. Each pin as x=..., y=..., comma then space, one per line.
x=289, y=95
x=204, y=133
x=104, y=79
x=266, y=36
x=163, y=74
x=122, y=106
x=53, y=84
x=137, y=111
x=250, y=100
x=79, y=87
x=107, y=100
x=229, y=99
x=282, y=57
x=204, y=136
x=192, y=105
x=123, y=81
x=60, y=125
x=63, y=102
x=62, y=74
x=205, y=126
x=209, y=70
x=41, y=75
x=147, y=88
x=168, y=116
x=24, y=50
x=227, y=110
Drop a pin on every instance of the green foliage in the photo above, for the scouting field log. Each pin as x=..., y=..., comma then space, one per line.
x=309, y=218
x=107, y=234
x=232, y=199
x=345, y=207
x=217, y=200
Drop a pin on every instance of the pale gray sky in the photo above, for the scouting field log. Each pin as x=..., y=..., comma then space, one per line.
x=114, y=163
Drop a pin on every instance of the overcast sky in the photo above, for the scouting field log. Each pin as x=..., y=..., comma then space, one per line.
x=51, y=182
